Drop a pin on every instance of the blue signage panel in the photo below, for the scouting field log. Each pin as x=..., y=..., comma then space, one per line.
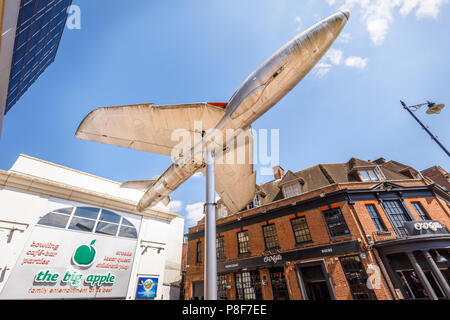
x=147, y=287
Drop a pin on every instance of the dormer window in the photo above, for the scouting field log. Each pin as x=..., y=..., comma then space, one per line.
x=255, y=203
x=292, y=190
x=368, y=175
x=222, y=211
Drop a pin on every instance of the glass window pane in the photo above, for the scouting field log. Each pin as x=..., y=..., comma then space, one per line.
x=81, y=224
x=127, y=232
x=127, y=223
x=336, y=223
x=64, y=210
x=109, y=216
x=364, y=175
x=270, y=236
x=301, y=230
x=106, y=228
x=243, y=243
x=87, y=212
x=54, y=220
x=372, y=175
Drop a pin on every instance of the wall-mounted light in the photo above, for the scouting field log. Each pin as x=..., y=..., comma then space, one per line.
x=439, y=258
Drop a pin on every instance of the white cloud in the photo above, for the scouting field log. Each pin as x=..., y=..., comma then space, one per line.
x=344, y=37
x=377, y=29
x=197, y=175
x=194, y=212
x=321, y=69
x=334, y=55
x=379, y=14
x=298, y=21
x=175, y=205
x=356, y=62
x=429, y=8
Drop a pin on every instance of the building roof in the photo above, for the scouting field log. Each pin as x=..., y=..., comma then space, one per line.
x=323, y=175
x=50, y=179
x=439, y=176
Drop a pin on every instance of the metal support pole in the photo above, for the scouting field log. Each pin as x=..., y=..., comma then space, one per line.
x=210, y=231
x=428, y=131
x=422, y=277
x=440, y=278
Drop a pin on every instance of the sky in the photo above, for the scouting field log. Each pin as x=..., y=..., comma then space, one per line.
x=140, y=51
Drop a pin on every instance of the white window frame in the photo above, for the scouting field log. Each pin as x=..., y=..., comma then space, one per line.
x=292, y=190
x=369, y=175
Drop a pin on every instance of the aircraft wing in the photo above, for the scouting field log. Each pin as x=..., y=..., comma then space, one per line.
x=147, y=127
x=235, y=180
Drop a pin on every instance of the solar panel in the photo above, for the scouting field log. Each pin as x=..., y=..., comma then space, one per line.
x=39, y=29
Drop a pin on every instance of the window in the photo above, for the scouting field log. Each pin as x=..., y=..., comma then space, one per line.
x=108, y=223
x=356, y=278
x=292, y=190
x=301, y=230
x=421, y=211
x=278, y=282
x=243, y=245
x=90, y=219
x=84, y=219
x=398, y=216
x=368, y=175
x=248, y=286
x=270, y=236
x=57, y=218
x=336, y=223
x=222, y=211
x=198, y=258
x=255, y=203
x=375, y=217
x=221, y=287
x=220, y=247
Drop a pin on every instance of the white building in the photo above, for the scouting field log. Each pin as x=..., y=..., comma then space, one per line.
x=66, y=234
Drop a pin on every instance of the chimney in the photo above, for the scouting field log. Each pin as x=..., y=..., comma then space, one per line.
x=278, y=172
x=380, y=161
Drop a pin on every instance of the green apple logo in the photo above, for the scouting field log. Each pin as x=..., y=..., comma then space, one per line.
x=84, y=255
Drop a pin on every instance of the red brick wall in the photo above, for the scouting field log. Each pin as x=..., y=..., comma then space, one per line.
x=435, y=207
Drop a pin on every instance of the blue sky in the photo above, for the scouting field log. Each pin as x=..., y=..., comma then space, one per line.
x=140, y=51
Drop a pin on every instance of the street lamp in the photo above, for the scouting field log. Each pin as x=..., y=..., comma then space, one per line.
x=432, y=109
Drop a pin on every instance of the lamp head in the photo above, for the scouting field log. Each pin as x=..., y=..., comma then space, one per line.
x=439, y=258
x=434, y=108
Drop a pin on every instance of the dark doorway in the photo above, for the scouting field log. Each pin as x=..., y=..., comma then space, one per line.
x=314, y=282
x=318, y=290
x=198, y=290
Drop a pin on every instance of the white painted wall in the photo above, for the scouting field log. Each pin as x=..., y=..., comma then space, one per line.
x=21, y=210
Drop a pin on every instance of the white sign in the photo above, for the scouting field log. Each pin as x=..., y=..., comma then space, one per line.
x=58, y=263
x=432, y=225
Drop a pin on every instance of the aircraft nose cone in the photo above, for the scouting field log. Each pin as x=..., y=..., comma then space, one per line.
x=336, y=22
x=346, y=13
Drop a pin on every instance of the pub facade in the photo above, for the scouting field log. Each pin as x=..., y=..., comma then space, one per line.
x=359, y=230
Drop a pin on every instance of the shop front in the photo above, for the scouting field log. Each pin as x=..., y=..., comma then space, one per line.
x=265, y=277
x=418, y=264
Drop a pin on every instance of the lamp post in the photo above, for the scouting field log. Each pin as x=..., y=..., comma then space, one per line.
x=432, y=109
x=210, y=272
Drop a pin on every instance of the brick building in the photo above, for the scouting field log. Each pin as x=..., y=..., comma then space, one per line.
x=439, y=176
x=353, y=230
